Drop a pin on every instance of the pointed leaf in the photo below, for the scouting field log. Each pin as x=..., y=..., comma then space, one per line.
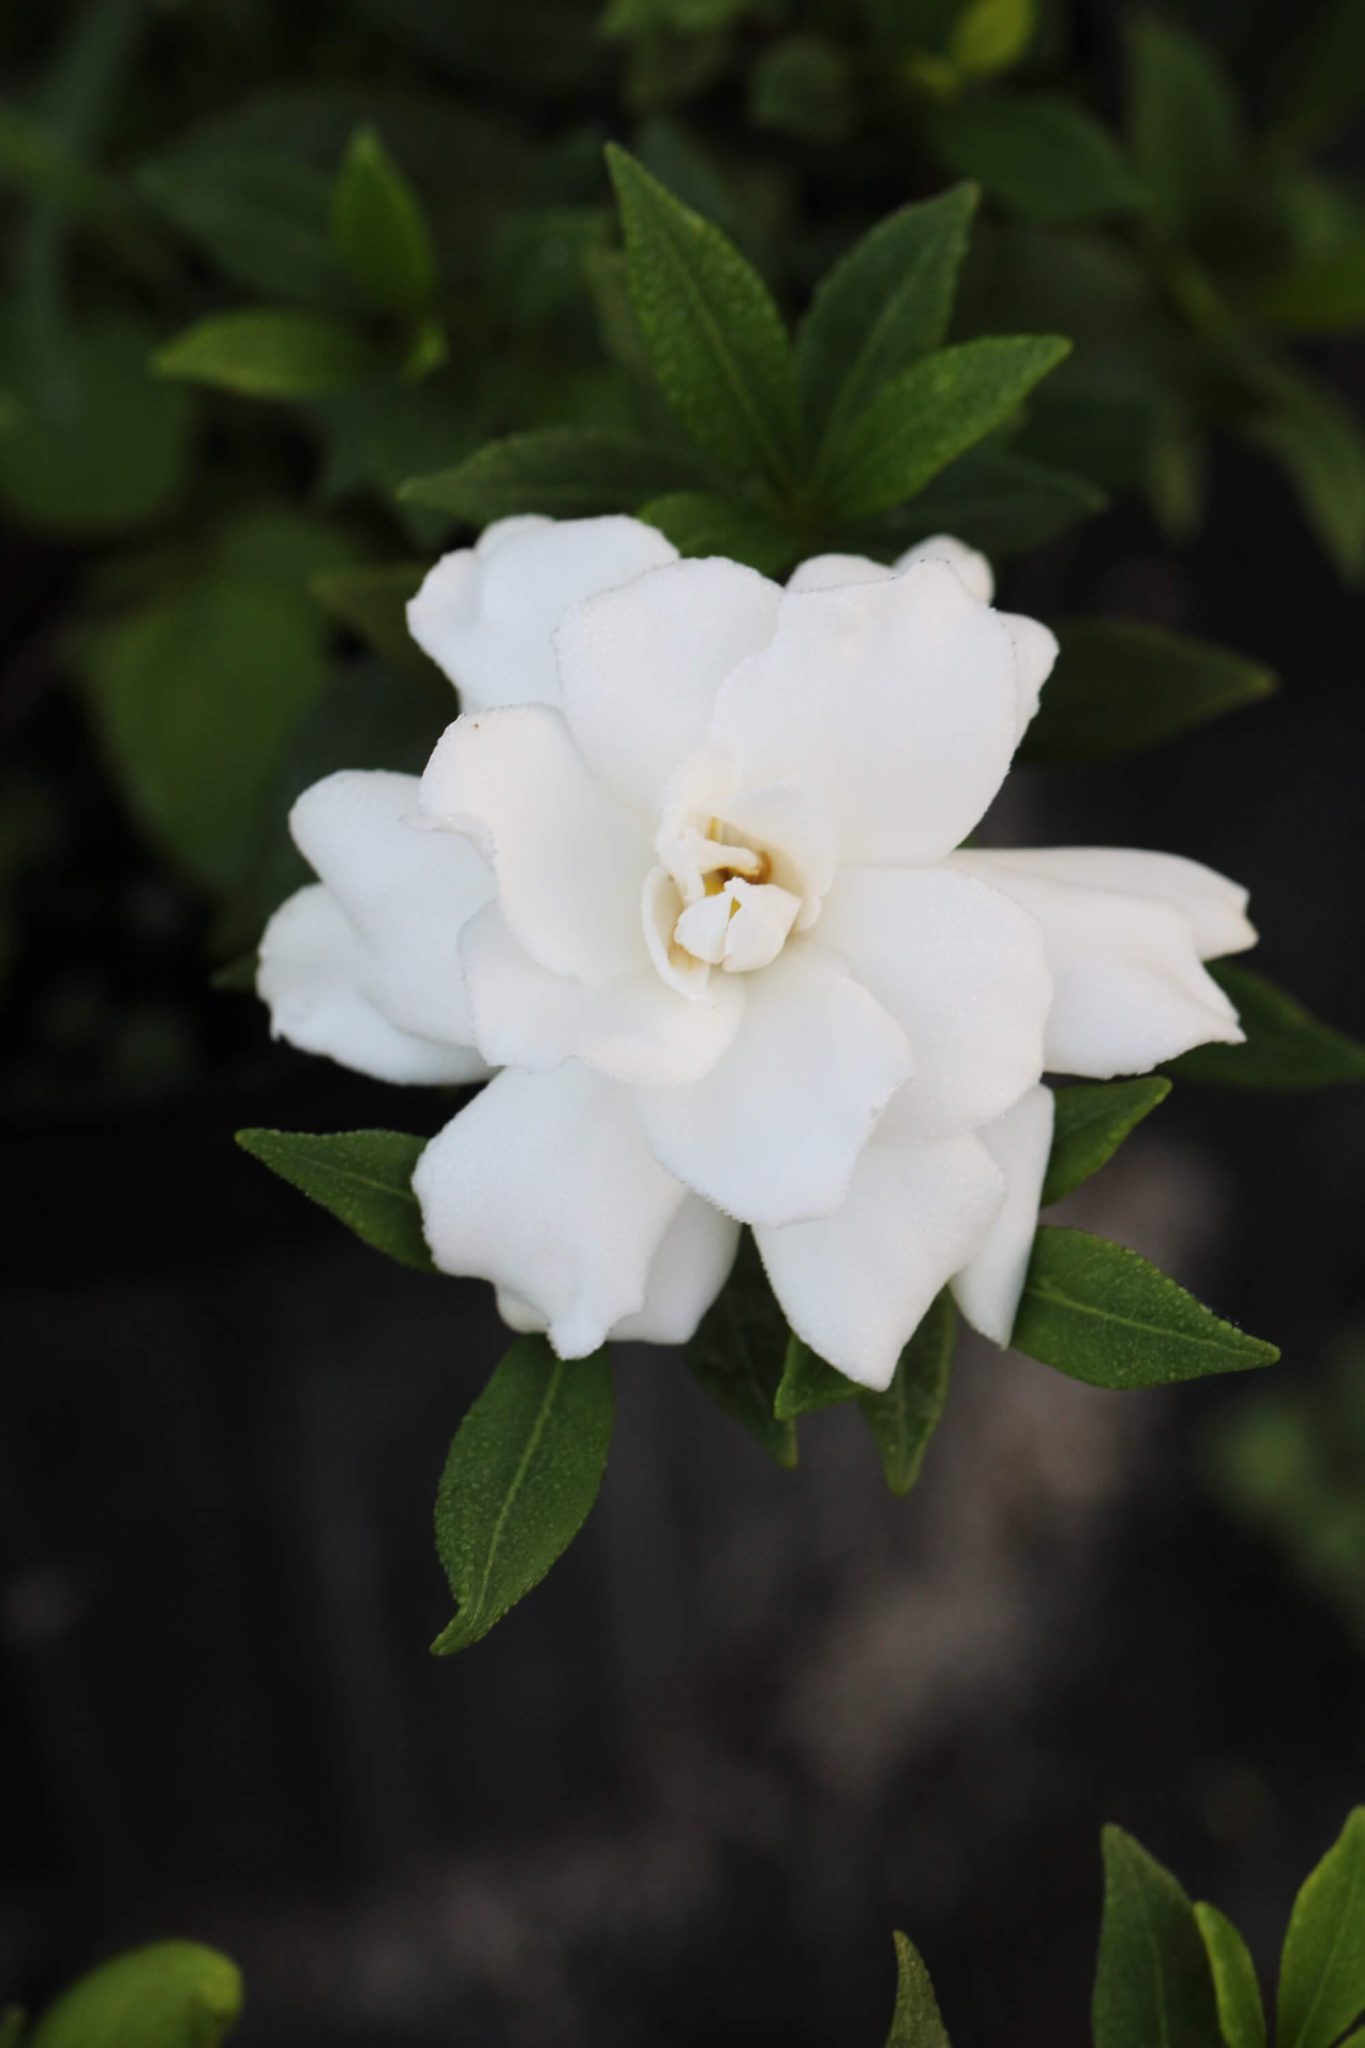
x=738, y=1355
x=1184, y=126
x=261, y=219
x=903, y=1419
x=1318, y=443
x=700, y=523
x=1241, y=2016
x=1039, y=154
x=174, y=1994
x=808, y=1384
x=916, y=2022
x=1091, y=1121
x=520, y=1481
x=882, y=306
x=363, y=1177
x=1322, y=1970
x=1119, y=687
x=1102, y=1314
x=716, y=342
x=1285, y=1049
x=1153, y=1983
x=930, y=414
x=568, y=472
x=266, y=352
x=379, y=232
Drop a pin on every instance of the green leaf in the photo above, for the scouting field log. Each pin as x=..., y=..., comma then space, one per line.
x=916, y=2022
x=1185, y=129
x=1102, y=1314
x=700, y=523
x=1039, y=154
x=371, y=598
x=1319, y=445
x=521, y=1478
x=739, y=1354
x=882, y=306
x=903, y=1419
x=1092, y=1119
x=931, y=413
x=716, y=342
x=1119, y=687
x=808, y=1384
x=801, y=86
x=1324, y=294
x=265, y=352
x=1152, y=1984
x=1322, y=1969
x=999, y=502
x=379, y=232
x=1285, y=1049
x=260, y=219
x=568, y=472
x=364, y=1178
x=94, y=445
x=1241, y=2016
x=174, y=1994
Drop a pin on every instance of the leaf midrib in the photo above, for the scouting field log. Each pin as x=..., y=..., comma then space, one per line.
x=1048, y=1291
x=473, y=1610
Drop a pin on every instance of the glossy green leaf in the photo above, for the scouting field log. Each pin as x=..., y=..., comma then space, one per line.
x=568, y=472
x=371, y=598
x=738, y=1355
x=261, y=219
x=701, y=523
x=903, y=1419
x=1152, y=1983
x=930, y=414
x=1285, y=1049
x=379, y=232
x=1317, y=442
x=997, y=501
x=268, y=352
x=1241, y=2015
x=520, y=1481
x=882, y=306
x=1041, y=155
x=1100, y=1313
x=1184, y=126
x=364, y=1178
x=173, y=1994
x=916, y=2022
x=716, y=342
x=1119, y=687
x=1092, y=1119
x=1322, y=1969
x=808, y=1384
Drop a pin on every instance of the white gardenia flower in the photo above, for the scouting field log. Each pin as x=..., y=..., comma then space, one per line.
x=687, y=874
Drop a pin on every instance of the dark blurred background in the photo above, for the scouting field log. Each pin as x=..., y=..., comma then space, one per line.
x=754, y=1719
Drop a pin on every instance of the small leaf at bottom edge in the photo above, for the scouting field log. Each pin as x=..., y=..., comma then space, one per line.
x=1241, y=2016
x=916, y=2022
x=905, y=1416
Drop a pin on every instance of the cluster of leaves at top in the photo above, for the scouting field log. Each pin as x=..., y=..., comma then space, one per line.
x=1168, y=1972
x=804, y=446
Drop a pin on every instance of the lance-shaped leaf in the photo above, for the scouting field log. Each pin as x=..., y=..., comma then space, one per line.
x=882, y=306
x=929, y=415
x=379, y=232
x=716, y=341
x=567, y=472
x=173, y=1994
x=703, y=523
x=995, y=500
x=903, y=1419
x=364, y=1178
x=1152, y=1983
x=269, y=352
x=1322, y=1969
x=1241, y=2015
x=1091, y=1120
x=738, y=1355
x=1100, y=1313
x=916, y=2022
x=1286, y=1048
x=1042, y=155
x=808, y=1384
x=1119, y=687
x=1184, y=125
x=520, y=1481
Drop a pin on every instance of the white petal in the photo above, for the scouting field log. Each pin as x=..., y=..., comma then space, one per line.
x=855, y=1285
x=487, y=614
x=963, y=969
x=690, y=1268
x=772, y=1132
x=1215, y=906
x=1130, y=991
x=639, y=1029
x=971, y=568
x=545, y=1186
x=406, y=893
x=1035, y=651
x=641, y=666
x=311, y=974
x=570, y=860
x=988, y=1288
x=897, y=699
x=829, y=572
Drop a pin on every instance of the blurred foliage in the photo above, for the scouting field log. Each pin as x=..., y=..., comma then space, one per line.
x=267, y=265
